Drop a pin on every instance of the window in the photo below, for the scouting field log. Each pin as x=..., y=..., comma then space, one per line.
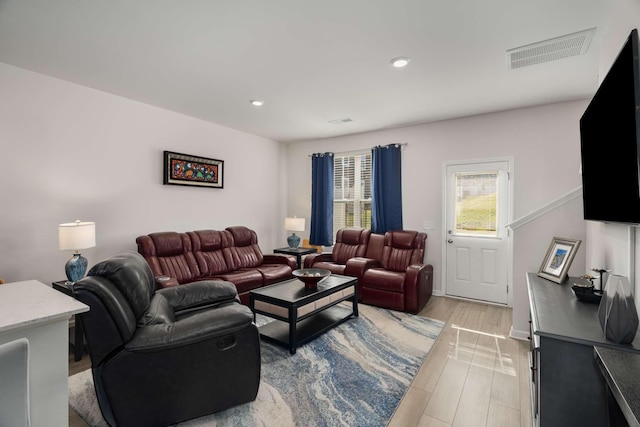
x=352, y=190
x=476, y=203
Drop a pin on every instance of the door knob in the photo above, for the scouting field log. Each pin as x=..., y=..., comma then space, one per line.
x=450, y=241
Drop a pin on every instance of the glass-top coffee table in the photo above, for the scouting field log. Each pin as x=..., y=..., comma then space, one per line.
x=303, y=314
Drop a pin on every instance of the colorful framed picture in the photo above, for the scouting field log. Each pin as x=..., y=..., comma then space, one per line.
x=185, y=169
x=558, y=259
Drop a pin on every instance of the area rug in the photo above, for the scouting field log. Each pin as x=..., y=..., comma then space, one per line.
x=354, y=375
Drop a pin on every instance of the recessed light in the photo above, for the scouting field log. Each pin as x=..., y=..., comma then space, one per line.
x=257, y=103
x=400, y=62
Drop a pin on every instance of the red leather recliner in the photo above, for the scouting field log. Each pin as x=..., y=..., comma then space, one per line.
x=350, y=243
x=399, y=280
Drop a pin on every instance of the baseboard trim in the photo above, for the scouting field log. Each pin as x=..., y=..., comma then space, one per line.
x=437, y=293
x=478, y=301
x=519, y=335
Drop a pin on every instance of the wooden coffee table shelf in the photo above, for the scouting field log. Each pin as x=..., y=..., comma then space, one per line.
x=301, y=314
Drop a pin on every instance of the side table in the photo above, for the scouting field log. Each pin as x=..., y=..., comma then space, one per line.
x=296, y=252
x=66, y=287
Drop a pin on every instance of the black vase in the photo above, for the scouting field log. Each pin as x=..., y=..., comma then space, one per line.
x=617, y=311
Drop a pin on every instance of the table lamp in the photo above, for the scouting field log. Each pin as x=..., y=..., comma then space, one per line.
x=293, y=224
x=75, y=236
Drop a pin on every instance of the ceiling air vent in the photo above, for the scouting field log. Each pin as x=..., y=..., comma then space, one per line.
x=340, y=121
x=550, y=50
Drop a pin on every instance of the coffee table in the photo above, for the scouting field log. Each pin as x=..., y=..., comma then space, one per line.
x=303, y=314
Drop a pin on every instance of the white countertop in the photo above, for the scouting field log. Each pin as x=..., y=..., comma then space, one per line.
x=31, y=302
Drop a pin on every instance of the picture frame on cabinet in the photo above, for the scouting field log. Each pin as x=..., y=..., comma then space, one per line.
x=558, y=259
x=194, y=171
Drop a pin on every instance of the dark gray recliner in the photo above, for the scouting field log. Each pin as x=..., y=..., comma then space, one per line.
x=164, y=356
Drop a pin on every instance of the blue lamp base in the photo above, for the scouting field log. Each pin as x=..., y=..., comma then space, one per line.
x=76, y=267
x=293, y=241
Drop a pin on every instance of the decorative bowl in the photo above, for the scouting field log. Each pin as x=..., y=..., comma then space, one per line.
x=311, y=276
x=587, y=293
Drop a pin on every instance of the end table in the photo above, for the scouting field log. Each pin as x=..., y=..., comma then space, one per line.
x=296, y=252
x=66, y=287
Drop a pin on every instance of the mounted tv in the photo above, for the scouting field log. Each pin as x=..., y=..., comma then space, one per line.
x=609, y=142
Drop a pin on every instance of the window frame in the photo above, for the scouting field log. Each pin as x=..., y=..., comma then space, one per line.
x=359, y=189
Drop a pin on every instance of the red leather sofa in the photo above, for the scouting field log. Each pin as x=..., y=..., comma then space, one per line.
x=391, y=274
x=232, y=254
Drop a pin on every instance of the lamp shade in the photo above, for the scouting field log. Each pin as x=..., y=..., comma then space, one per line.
x=294, y=224
x=76, y=235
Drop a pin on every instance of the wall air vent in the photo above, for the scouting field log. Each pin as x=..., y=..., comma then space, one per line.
x=340, y=121
x=550, y=50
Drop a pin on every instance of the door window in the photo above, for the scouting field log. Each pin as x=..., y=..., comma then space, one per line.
x=476, y=207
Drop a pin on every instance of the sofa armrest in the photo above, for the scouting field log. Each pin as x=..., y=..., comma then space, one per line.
x=280, y=259
x=202, y=325
x=313, y=258
x=357, y=266
x=418, y=284
x=166, y=282
x=199, y=294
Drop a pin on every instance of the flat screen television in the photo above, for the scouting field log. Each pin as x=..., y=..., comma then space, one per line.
x=610, y=144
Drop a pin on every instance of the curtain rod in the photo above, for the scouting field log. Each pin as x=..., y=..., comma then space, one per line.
x=362, y=149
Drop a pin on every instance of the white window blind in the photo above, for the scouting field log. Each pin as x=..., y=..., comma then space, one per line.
x=352, y=190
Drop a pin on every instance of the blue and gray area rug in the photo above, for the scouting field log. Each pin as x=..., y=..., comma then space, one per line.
x=354, y=375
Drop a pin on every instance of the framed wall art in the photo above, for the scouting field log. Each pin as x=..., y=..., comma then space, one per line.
x=558, y=259
x=185, y=169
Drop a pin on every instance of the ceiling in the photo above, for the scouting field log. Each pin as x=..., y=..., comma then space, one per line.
x=311, y=62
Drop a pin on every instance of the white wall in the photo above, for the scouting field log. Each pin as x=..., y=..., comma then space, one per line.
x=68, y=152
x=544, y=142
x=530, y=244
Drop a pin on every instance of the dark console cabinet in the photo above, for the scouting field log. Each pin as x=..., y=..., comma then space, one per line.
x=567, y=387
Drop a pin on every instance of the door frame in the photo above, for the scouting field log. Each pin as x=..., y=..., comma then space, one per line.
x=509, y=219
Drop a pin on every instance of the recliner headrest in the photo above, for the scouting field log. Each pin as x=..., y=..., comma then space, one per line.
x=131, y=274
x=403, y=239
x=168, y=243
x=351, y=236
x=242, y=236
x=210, y=240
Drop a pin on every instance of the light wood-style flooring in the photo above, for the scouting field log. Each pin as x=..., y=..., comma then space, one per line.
x=475, y=375
x=74, y=368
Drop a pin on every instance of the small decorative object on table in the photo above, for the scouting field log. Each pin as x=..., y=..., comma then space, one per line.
x=558, y=259
x=584, y=290
x=75, y=236
x=617, y=312
x=311, y=276
x=601, y=272
x=293, y=224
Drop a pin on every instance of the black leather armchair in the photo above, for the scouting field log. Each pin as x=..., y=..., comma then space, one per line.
x=164, y=356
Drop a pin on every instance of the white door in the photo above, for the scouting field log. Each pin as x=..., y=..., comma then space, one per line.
x=476, y=212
